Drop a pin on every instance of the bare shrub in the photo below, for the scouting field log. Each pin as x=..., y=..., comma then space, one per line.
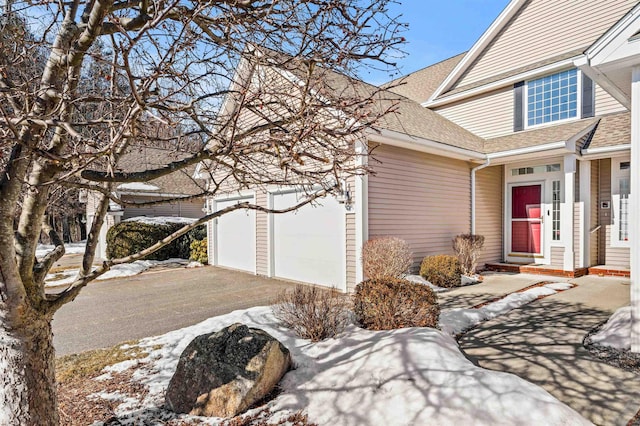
x=313, y=313
x=386, y=257
x=467, y=247
x=442, y=270
x=390, y=303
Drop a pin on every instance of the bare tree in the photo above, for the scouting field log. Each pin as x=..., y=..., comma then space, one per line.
x=209, y=70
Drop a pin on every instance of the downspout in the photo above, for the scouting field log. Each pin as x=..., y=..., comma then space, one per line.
x=473, y=193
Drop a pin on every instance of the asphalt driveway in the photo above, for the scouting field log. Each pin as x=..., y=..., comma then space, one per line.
x=109, y=312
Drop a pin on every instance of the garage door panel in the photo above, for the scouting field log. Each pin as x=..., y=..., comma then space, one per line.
x=236, y=237
x=308, y=245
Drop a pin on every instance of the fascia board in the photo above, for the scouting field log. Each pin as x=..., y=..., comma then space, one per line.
x=401, y=140
x=494, y=29
x=617, y=35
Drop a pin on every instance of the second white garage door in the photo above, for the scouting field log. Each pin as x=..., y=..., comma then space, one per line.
x=309, y=244
x=236, y=237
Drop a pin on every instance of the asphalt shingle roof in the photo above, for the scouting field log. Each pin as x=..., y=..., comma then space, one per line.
x=420, y=85
x=140, y=157
x=539, y=136
x=612, y=130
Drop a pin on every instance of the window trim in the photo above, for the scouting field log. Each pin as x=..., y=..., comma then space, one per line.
x=525, y=103
x=616, y=175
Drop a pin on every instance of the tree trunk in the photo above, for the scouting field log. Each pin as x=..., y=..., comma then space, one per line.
x=27, y=375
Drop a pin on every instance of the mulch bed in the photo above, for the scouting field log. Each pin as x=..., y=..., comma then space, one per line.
x=621, y=358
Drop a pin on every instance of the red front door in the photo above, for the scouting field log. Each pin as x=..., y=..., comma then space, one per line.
x=526, y=219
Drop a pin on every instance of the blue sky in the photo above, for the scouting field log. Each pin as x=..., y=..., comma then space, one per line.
x=439, y=29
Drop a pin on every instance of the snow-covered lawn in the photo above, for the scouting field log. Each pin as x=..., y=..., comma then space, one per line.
x=119, y=271
x=411, y=376
x=69, y=248
x=616, y=333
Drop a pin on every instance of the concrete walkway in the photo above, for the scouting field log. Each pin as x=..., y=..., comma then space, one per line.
x=542, y=343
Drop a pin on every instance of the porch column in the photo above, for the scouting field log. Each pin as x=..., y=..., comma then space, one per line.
x=585, y=214
x=634, y=208
x=567, y=228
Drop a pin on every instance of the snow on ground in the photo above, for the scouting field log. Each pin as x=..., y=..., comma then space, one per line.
x=456, y=321
x=119, y=271
x=418, y=279
x=69, y=248
x=616, y=333
x=160, y=220
x=398, y=377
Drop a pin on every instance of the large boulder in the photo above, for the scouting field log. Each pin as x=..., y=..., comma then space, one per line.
x=224, y=373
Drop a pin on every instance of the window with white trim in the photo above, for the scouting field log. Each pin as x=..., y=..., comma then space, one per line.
x=620, y=191
x=552, y=98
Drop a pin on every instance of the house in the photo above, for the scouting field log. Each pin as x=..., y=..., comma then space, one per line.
x=526, y=139
x=175, y=195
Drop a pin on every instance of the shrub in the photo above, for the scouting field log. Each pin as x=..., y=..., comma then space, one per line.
x=127, y=238
x=199, y=251
x=386, y=257
x=313, y=313
x=442, y=270
x=390, y=303
x=467, y=247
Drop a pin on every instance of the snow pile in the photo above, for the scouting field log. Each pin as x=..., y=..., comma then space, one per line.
x=456, y=321
x=160, y=220
x=398, y=377
x=418, y=279
x=120, y=271
x=616, y=333
x=69, y=248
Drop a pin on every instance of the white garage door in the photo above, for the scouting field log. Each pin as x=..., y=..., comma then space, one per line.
x=309, y=244
x=236, y=237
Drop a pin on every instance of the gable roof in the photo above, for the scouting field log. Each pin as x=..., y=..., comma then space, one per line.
x=140, y=157
x=407, y=117
x=420, y=85
x=514, y=41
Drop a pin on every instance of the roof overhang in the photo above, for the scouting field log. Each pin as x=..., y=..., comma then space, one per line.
x=543, y=150
x=605, y=151
x=610, y=59
x=402, y=140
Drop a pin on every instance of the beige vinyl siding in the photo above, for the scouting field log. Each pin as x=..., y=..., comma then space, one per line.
x=543, y=29
x=557, y=257
x=192, y=208
x=605, y=103
x=421, y=198
x=489, y=207
x=262, y=235
x=350, y=247
x=488, y=115
x=595, y=210
x=614, y=256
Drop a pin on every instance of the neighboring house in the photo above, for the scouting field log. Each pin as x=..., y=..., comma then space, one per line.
x=170, y=189
x=525, y=139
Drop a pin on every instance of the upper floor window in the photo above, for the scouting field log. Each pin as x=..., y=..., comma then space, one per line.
x=552, y=98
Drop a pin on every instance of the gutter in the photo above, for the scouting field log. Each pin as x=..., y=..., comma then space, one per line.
x=402, y=140
x=473, y=193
